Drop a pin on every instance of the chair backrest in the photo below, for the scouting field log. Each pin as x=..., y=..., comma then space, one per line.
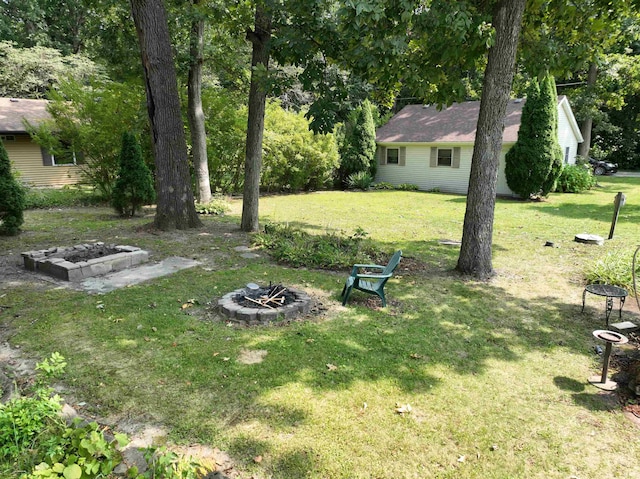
x=393, y=263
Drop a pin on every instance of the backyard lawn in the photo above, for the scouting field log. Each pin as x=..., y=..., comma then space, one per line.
x=495, y=372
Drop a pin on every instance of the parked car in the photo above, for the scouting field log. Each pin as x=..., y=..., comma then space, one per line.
x=602, y=167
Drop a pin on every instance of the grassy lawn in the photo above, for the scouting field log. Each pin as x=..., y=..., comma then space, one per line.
x=495, y=372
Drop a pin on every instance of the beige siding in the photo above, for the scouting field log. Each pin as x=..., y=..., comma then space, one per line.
x=26, y=160
x=417, y=171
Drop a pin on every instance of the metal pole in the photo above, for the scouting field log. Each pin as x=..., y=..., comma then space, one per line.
x=619, y=203
x=605, y=365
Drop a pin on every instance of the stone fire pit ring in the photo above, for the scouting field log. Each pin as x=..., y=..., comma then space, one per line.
x=235, y=312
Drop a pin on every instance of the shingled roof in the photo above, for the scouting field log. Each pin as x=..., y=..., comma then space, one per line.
x=454, y=124
x=13, y=111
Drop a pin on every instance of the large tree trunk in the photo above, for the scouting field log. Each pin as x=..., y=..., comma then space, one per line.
x=175, y=208
x=587, y=123
x=260, y=38
x=475, y=252
x=195, y=114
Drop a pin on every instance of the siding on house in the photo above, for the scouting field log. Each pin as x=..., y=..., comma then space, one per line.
x=25, y=155
x=417, y=169
x=568, y=132
x=27, y=162
x=417, y=129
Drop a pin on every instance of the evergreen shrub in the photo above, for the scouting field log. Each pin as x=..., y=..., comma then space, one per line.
x=12, y=202
x=534, y=163
x=358, y=145
x=134, y=185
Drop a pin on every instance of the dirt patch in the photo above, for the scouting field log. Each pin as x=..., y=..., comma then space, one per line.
x=248, y=356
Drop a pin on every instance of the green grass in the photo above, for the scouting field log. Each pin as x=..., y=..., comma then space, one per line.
x=495, y=372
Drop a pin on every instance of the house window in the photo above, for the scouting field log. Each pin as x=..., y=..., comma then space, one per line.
x=7, y=138
x=566, y=155
x=393, y=156
x=66, y=156
x=445, y=157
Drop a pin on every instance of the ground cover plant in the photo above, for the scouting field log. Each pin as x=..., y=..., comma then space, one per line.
x=494, y=372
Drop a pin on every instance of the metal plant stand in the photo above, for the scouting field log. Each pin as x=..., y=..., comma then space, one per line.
x=610, y=338
x=609, y=292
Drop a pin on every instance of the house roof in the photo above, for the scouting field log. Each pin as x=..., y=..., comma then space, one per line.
x=454, y=124
x=13, y=111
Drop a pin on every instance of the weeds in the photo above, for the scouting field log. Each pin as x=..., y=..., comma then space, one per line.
x=330, y=251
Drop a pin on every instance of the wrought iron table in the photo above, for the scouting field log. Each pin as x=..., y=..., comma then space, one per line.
x=609, y=292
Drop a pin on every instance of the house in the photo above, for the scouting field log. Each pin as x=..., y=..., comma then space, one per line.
x=32, y=165
x=432, y=149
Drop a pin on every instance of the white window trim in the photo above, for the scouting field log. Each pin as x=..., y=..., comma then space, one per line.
x=74, y=163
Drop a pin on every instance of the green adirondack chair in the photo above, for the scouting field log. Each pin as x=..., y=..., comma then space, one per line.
x=370, y=283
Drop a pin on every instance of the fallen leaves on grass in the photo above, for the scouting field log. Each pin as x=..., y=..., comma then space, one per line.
x=403, y=408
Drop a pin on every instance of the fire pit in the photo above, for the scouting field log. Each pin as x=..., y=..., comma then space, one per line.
x=254, y=304
x=75, y=263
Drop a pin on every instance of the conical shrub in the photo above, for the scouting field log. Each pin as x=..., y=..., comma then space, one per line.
x=134, y=185
x=12, y=200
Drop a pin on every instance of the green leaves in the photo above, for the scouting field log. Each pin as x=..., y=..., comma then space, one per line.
x=72, y=472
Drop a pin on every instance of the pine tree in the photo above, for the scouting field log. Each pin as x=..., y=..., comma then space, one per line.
x=358, y=147
x=12, y=201
x=534, y=163
x=134, y=186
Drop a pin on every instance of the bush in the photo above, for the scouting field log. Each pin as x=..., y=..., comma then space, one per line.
x=89, y=118
x=576, y=179
x=331, y=251
x=383, y=185
x=65, y=197
x=534, y=163
x=217, y=206
x=12, y=202
x=361, y=180
x=407, y=187
x=134, y=186
x=295, y=158
x=357, y=145
x=615, y=268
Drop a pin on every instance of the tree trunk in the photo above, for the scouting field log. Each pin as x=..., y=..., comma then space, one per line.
x=195, y=114
x=260, y=38
x=475, y=252
x=587, y=123
x=175, y=205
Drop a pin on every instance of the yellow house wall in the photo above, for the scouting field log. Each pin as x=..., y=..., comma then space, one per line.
x=26, y=160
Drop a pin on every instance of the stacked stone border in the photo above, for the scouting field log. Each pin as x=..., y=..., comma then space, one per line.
x=53, y=263
x=253, y=316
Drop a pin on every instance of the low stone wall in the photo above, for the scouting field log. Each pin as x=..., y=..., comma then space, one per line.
x=241, y=314
x=52, y=261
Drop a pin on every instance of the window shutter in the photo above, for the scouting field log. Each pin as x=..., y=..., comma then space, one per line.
x=79, y=158
x=47, y=158
x=382, y=155
x=403, y=156
x=433, y=160
x=456, y=157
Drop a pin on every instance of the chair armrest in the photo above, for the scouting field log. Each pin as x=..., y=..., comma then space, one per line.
x=356, y=267
x=373, y=276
